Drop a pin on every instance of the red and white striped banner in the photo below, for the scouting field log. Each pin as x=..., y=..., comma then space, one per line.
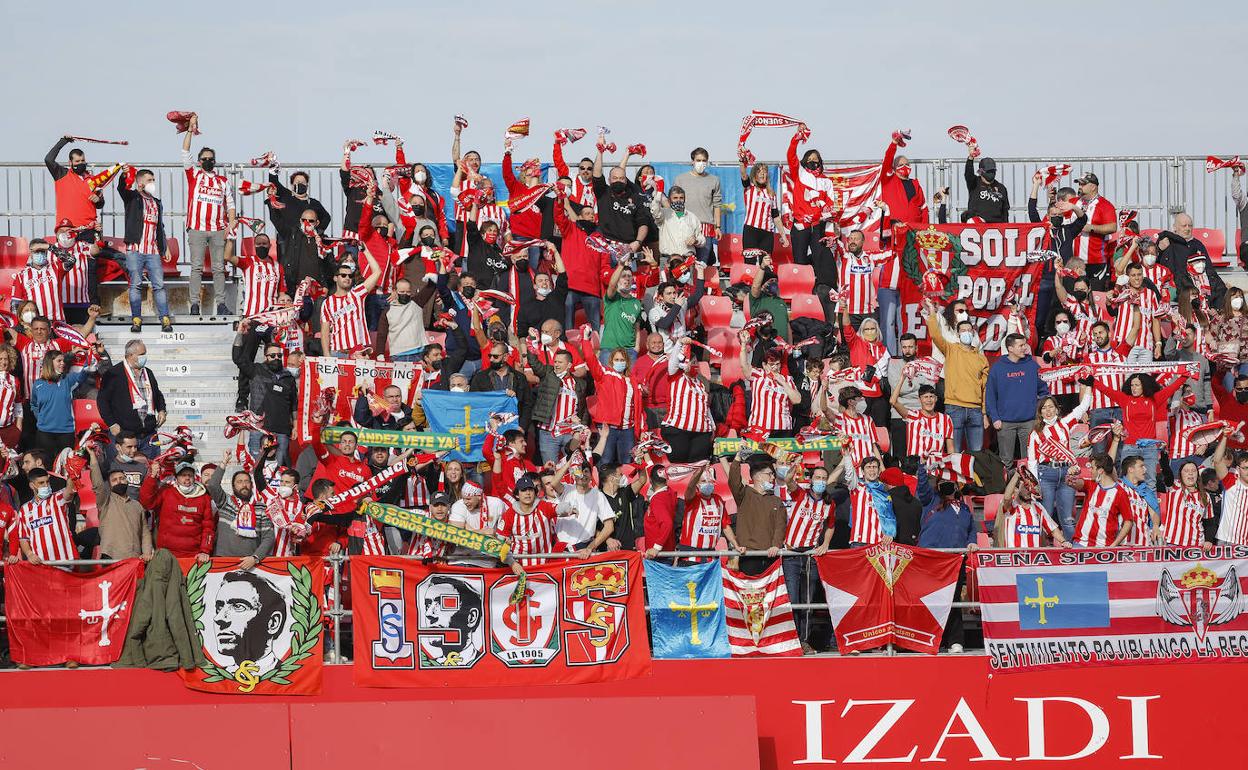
x=759, y=614
x=348, y=378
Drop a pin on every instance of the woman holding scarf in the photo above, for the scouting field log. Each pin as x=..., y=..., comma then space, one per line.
x=1049, y=457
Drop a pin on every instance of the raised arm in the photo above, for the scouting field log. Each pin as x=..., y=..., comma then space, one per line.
x=371, y=281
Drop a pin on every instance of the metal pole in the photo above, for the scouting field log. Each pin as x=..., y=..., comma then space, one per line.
x=336, y=606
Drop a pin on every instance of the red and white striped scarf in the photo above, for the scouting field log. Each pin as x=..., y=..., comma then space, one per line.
x=140, y=390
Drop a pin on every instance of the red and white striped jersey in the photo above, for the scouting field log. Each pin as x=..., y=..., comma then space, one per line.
x=770, y=407
x=44, y=524
x=583, y=192
x=32, y=354
x=262, y=282
x=1181, y=420
x=1141, y=516
x=1091, y=248
x=532, y=532
x=1113, y=381
x=855, y=278
x=1104, y=513
x=208, y=197
x=415, y=492
x=372, y=542
x=566, y=404
x=288, y=518
x=461, y=211
x=1161, y=277
x=1045, y=445
x=1182, y=515
x=760, y=203
x=1025, y=525
x=688, y=408
x=809, y=517
x=344, y=316
x=1138, y=315
x=859, y=431
x=151, y=224
x=425, y=547
x=74, y=287
x=10, y=396
x=1233, y=526
x=1059, y=387
x=928, y=435
x=1085, y=314
x=864, y=521
x=705, y=519
x=42, y=286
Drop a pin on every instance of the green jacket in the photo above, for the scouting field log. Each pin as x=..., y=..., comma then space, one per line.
x=162, y=632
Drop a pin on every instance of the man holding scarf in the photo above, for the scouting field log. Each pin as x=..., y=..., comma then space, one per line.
x=130, y=398
x=761, y=517
x=244, y=530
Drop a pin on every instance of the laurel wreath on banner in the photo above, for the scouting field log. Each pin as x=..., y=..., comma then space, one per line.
x=305, y=630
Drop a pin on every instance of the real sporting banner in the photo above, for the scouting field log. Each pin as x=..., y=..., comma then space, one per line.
x=437, y=626
x=889, y=593
x=687, y=610
x=1050, y=608
x=260, y=628
x=56, y=616
x=465, y=416
x=349, y=378
x=982, y=263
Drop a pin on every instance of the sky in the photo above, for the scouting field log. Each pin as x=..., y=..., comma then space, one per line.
x=1046, y=79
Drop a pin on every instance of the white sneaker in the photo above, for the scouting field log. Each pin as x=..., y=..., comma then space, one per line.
x=955, y=648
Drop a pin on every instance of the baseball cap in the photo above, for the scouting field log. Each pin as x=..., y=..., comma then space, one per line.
x=1088, y=178
x=987, y=164
x=184, y=467
x=440, y=498
x=525, y=482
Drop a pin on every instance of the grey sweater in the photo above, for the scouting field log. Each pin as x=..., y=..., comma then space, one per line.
x=229, y=542
x=702, y=194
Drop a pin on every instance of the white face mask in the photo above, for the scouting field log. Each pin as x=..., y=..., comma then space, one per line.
x=28, y=316
x=1062, y=327
x=547, y=339
x=459, y=389
x=150, y=189
x=1199, y=267
x=966, y=337
x=1237, y=303
x=1150, y=259
x=541, y=292
x=961, y=316
x=419, y=177
x=860, y=406
x=186, y=488
x=285, y=491
x=699, y=166
x=65, y=240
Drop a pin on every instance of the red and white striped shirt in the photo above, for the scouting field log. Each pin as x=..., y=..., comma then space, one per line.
x=10, y=395
x=285, y=513
x=1112, y=381
x=74, y=287
x=1046, y=445
x=864, y=520
x=262, y=282
x=532, y=532
x=1059, y=387
x=344, y=316
x=1182, y=515
x=859, y=431
x=770, y=407
x=1138, y=315
x=760, y=205
x=705, y=518
x=1025, y=525
x=415, y=492
x=928, y=435
x=1161, y=277
x=808, y=520
x=1085, y=314
x=1091, y=248
x=32, y=354
x=44, y=524
x=566, y=404
x=372, y=543
x=461, y=211
x=208, y=198
x=855, y=278
x=1104, y=513
x=425, y=547
x=151, y=224
x=688, y=408
x=1181, y=420
x=42, y=286
x=1233, y=526
x=1140, y=515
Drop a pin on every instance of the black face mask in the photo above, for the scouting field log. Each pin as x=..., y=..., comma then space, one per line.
x=262, y=252
x=275, y=365
x=80, y=168
x=989, y=176
x=618, y=187
x=300, y=188
x=497, y=365
x=120, y=489
x=1241, y=396
x=811, y=165
x=418, y=211
x=498, y=334
x=1080, y=295
x=208, y=164
x=586, y=225
x=468, y=291
x=428, y=240
x=403, y=298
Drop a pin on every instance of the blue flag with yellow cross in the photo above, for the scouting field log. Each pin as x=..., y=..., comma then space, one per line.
x=466, y=416
x=687, y=617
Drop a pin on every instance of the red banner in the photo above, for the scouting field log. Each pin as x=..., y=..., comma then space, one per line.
x=55, y=616
x=349, y=378
x=423, y=626
x=889, y=593
x=996, y=260
x=260, y=628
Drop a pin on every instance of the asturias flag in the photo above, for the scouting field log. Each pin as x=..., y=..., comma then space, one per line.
x=687, y=611
x=466, y=416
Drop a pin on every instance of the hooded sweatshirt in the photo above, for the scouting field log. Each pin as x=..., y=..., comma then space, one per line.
x=1013, y=390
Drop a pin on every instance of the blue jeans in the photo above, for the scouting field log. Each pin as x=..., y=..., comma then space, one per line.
x=1151, y=454
x=1103, y=416
x=136, y=264
x=589, y=303
x=968, y=423
x=1058, y=497
x=550, y=446
x=374, y=306
x=619, y=448
x=707, y=252
x=470, y=367
x=799, y=577
x=890, y=318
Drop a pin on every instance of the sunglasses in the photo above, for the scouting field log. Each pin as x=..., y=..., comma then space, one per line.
x=272, y=355
x=586, y=168
x=496, y=358
x=343, y=275
x=309, y=221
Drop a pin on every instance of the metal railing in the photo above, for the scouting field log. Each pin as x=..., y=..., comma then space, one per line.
x=337, y=613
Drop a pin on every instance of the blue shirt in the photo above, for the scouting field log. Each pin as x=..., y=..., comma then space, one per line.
x=1013, y=390
x=53, y=403
x=948, y=526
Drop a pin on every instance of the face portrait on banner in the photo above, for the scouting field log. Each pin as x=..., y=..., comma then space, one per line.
x=451, y=631
x=250, y=620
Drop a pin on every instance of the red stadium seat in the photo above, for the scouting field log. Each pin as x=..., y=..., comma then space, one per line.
x=716, y=312
x=806, y=306
x=882, y=439
x=169, y=260
x=729, y=249
x=784, y=254
x=14, y=251
x=992, y=505
x=872, y=240
x=740, y=272
x=436, y=337
x=795, y=279
x=6, y=282
x=1239, y=240
x=1215, y=242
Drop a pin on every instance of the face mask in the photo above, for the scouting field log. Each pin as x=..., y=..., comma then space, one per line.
x=490, y=237
x=185, y=488
x=678, y=206
x=686, y=279
x=542, y=292
x=150, y=189
x=860, y=406
x=1150, y=259
x=705, y=489
x=141, y=360
x=699, y=167
x=404, y=298
x=1199, y=267
x=811, y=165
x=625, y=290
x=819, y=486
x=1190, y=400
x=961, y=316
x=497, y=365
x=65, y=240
x=285, y=491
x=262, y=252
x=28, y=316
x=903, y=172
x=120, y=489
x=459, y=389
x=619, y=366
x=1062, y=327
x=428, y=240
x=619, y=187
x=547, y=339
x=80, y=168
x=989, y=176
x=208, y=164
x=45, y=492
x=767, y=487
x=39, y=259
x=419, y=177
x=1237, y=303
x=966, y=337
x=587, y=226
x=468, y=291
x=782, y=471
x=274, y=366
x=1081, y=295
x=301, y=188
x=293, y=370
x=1241, y=397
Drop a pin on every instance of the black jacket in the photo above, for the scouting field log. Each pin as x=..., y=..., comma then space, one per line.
x=286, y=220
x=619, y=216
x=533, y=311
x=116, y=407
x=272, y=395
x=133, y=202
x=486, y=262
x=484, y=381
x=1175, y=257
x=1063, y=234
x=548, y=392
x=990, y=202
x=365, y=418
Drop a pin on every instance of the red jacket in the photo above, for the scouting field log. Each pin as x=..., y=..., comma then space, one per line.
x=527, y=223
x=660, y=522
x=1140, y=414
x=610, y=394
x=436, y=208
x=185, y=524
x=585, y=265
x=901, y=207
x=1225, y=407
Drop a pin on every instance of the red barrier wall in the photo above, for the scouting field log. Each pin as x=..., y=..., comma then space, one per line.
x=809, y=712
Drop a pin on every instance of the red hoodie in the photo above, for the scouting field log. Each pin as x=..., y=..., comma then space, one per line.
x=584, y=264
x=436, y=207
x=611, y=391
x=185, y=524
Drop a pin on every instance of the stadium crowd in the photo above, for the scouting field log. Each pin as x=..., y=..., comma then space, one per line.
x=600, y=301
